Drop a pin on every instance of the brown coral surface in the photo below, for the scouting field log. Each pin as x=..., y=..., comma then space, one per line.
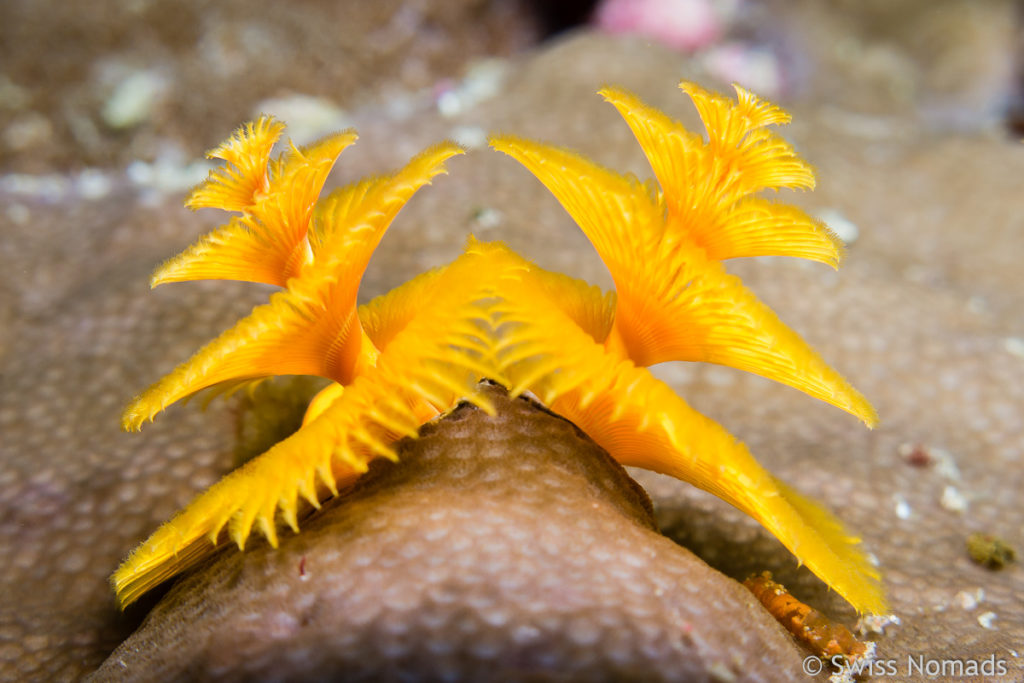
x=500, y=548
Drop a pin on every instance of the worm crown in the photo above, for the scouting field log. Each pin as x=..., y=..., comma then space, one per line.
x=417, y=350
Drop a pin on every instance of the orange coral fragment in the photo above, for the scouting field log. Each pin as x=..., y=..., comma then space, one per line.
x=824, y=637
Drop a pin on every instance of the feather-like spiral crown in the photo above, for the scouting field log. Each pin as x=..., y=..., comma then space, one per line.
x=411, y=354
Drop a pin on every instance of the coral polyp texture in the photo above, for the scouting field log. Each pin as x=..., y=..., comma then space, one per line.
x=414, y=353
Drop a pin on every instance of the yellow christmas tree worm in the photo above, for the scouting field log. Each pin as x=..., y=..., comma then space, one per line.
x=675, y=299
x=416, y=351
